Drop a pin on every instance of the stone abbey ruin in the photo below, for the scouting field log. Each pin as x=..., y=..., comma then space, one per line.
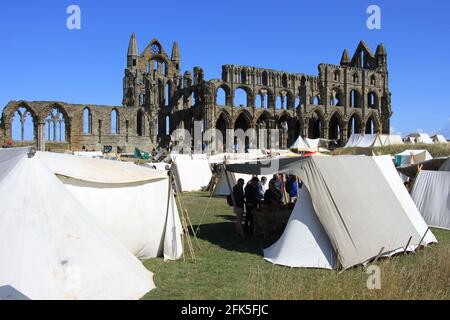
x=352, y=97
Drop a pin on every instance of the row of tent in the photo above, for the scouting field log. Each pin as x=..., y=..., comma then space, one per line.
x=380, y=140
x=74, y=227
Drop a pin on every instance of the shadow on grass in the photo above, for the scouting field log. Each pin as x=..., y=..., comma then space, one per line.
x=223, y=235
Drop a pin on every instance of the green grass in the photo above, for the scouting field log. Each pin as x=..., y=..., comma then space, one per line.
x=436, y=150
x=228, y=267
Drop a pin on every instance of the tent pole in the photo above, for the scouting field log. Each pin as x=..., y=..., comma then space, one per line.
x=407, y=245
x=184, y=223
x=420, y=243
x=378, y=255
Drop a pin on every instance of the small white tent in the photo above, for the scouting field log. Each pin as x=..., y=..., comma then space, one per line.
x=373, y=140
x=408, y=157
x=419, y=138
x=51, y=247
x=439, y=139
x=431, y=194
x=300, y=144
x=192, y=174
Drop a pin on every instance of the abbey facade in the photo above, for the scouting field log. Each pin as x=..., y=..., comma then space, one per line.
x=352, y=97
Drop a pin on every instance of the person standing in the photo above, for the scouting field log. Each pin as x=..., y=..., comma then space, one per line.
x=251, y=203
x=238, y=208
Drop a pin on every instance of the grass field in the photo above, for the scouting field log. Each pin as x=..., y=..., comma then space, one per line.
x=229, y=267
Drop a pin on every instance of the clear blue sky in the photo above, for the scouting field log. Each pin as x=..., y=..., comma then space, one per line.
x=42, y=60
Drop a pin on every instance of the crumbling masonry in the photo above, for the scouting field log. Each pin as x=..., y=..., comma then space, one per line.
x=352, y=97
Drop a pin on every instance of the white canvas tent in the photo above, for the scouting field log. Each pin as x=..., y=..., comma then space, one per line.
x=313, y=143
x=300, y=144
x=389, y=140
x=51, y=247
x=408, y=157
x=439, y=139
x=431, y=194
x=359, y=222
x=419, y=138
x=134, y=203
x=192, y=174
x=373, y=140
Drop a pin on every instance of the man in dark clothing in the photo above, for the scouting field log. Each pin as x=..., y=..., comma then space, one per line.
x=272, y=197
x=238, y=198
x=251, y=203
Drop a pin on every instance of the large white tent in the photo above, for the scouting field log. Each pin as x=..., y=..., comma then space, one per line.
x=431, y=194
x=191, y=174
x=360, y=223
x=51, y=246
x=134, y=203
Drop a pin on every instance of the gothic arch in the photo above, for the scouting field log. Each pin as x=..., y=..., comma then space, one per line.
x=315, y=124
x=249, y=94
x=354, y=124
x=227, y=91
x=336, y=125
x=372, y=124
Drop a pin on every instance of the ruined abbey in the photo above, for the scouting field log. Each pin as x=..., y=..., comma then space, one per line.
x=352, y=97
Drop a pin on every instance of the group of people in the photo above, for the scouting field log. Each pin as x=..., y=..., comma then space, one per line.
x=256, y=193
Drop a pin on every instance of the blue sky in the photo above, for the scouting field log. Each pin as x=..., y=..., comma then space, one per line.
x=41, y=59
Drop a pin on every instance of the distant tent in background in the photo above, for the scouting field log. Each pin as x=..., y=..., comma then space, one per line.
x=313, y=143
x=299, y=144
x=134, y=203
x=439, y=139
x=379, y=219
x=51, y=247
x=408, y=157
x=373, y=140
x=390, y=140
x=419, y=138
x=431, y=194
x=192, y=174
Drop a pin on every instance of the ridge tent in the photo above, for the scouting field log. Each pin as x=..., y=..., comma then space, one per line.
x=408, y=157
x=431, y=194
x=300, y=144
x=389, y=140
x=51, y=247
x=359, y=223
x=439, y=139
x=313, y=143
x=419, y=138
x=191, y=174
x=134, y=203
